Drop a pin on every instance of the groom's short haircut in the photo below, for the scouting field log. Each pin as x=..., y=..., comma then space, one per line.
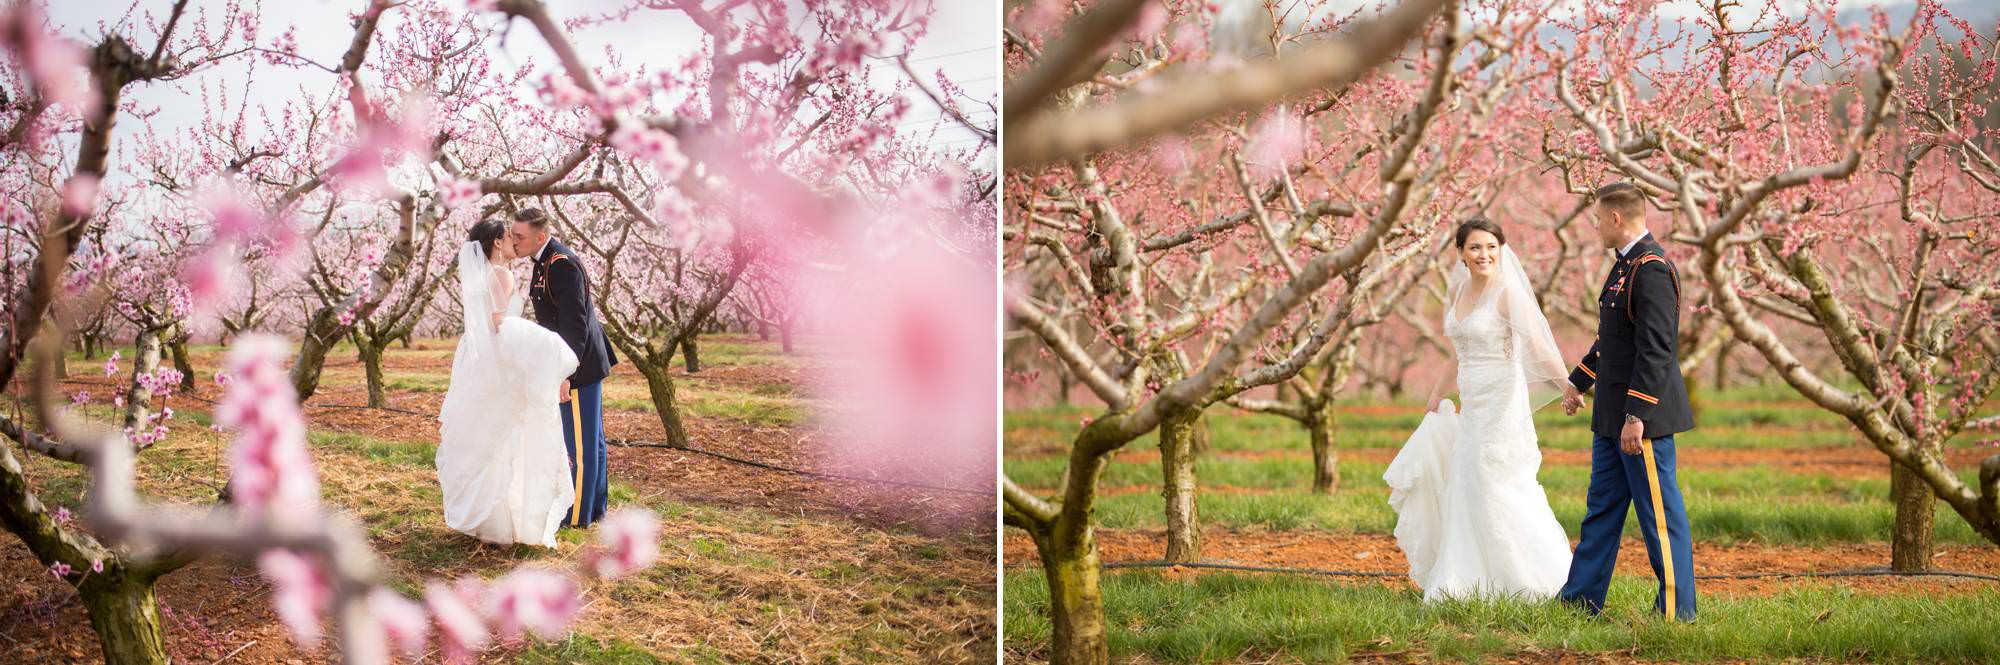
x=1623, y=197
x=533, y=216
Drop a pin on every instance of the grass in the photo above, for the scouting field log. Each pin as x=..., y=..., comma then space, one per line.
x=737, y=582
x=588, y=649
x=1216, y=618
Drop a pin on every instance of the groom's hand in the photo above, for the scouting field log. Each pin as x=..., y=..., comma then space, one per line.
x=565, y=392
x=1629, y=437
x=1572, y=400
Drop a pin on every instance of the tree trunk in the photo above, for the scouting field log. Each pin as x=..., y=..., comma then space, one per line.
x=661, y=387
x=1177, y=457
x=688, y=355
x=126, y=618
x=1076, y=604
x=371, y=363
x=763, y=330
x=1326, y=462
x=785, y=334
x=1063, y=383
x=145, y=360
x=1910, y=545
x=1722, y=366
x=183, y=364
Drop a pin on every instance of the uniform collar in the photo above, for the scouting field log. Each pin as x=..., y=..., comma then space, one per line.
x=1627, y=251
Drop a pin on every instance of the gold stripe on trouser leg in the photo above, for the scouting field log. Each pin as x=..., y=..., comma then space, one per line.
x=1660, y=521
x=576, y=424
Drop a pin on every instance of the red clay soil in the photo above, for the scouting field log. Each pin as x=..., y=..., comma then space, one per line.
x=1845, y=462
x=1378, y=553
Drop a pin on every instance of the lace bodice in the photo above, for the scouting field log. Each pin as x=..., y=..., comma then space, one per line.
x=505, y=288
x=1482, y=336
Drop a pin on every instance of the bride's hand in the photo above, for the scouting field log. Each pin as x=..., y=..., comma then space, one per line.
x=1432, y=407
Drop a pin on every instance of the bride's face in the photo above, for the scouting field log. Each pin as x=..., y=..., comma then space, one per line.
x=503, y=251
x=1481, y=253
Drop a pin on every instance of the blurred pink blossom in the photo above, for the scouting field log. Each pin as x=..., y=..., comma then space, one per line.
x=461, y=631
x=454, y=193
x=80, y=195
x=916, y=400
x=629, y=538
x=1275, y=143
x=271, y=471
x=403, y=619
x=300, y=592
x=59, y=569
x=538, y=600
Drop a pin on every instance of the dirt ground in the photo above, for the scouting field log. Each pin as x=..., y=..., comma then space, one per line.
x=218, y=611
x=1378, y=553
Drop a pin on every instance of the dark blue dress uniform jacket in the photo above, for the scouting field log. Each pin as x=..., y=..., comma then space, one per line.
x=1634, y=363
x=561, y=295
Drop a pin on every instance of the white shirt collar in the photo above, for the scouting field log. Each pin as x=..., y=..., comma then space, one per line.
x=544, y=247
x=1628, y=246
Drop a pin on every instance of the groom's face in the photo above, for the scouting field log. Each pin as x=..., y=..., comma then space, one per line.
x=526, y=238
x=1610, y=226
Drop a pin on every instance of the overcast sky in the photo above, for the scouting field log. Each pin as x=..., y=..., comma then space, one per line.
x=963, y=41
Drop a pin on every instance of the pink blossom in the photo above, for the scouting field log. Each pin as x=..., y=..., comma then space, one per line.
x=630, y=541
x=55, y=65
x=1152, y=19
x=1276, y=143
x=80, y=195
x=59, y=569
x=211, y=279
x=653, y=145
x=270, y=468
x=1189, y=42
x=403, y=619
x=234, y=216
x=483, y=5
x=535, y=599
x=560, y=92
x=454, y=193
x=80, y=397
x=300, y=592
x=1172, y=154
x=461, y=631
x=63, y=516
x=1040, y=16
x=96, y=565
x=111, y=364
x=911, y=406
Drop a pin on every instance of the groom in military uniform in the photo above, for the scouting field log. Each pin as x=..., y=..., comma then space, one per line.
x=1641, y=405
x=560, y=291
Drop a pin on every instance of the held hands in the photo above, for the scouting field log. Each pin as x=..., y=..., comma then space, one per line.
x=1631, y=435
x=1572, y=400
x=565, y=392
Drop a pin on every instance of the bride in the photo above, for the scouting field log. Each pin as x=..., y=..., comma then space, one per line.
x=500, y=452
x=1471, y=518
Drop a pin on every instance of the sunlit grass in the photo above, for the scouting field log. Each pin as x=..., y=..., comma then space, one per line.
x=1222, y=617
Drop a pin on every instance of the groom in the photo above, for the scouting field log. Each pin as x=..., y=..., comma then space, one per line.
x=1641, y=405
x=560, y=290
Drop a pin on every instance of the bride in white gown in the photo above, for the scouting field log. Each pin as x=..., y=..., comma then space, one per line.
x=500, y=452
x=1471, y=518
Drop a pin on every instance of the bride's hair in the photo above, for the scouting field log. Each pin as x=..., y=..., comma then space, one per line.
x=486, y=232
x=1479, y=224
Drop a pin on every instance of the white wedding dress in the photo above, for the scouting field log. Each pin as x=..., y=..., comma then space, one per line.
x=500, y=453
x=1471, y=517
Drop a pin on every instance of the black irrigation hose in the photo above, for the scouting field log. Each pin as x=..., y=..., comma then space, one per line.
x=1352, y=573
x=814, y=474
